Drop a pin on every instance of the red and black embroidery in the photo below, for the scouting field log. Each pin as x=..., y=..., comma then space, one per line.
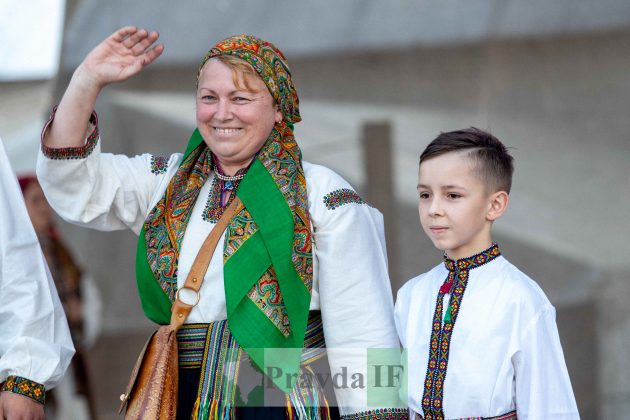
x=455, y=284
x=379, y=414
x=71, y=152
x=159, y=165
x=340, y=197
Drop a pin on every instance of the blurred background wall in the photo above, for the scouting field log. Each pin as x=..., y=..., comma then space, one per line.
x=377, y=81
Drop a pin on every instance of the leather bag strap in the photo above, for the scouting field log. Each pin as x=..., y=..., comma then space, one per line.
x=180, y=310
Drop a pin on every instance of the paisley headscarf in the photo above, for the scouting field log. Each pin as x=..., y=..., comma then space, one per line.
x=267, y=256
x=270, y=64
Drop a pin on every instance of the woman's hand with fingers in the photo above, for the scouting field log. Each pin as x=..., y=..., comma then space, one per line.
x=122, y=55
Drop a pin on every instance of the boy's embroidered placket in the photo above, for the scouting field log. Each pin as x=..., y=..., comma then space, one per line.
x=442, y=330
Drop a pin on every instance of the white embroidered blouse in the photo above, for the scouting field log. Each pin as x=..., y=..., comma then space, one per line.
x=350, y=283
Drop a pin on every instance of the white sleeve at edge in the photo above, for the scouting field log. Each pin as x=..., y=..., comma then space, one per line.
x=35, y=340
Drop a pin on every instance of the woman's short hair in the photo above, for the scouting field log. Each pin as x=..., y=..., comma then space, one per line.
x=242, y=71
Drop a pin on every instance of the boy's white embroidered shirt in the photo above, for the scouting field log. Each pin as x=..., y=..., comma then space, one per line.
x=505, y=352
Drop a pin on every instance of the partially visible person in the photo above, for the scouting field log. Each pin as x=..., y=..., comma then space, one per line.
x=35, y=342
x=81, y=302
x=481, y=335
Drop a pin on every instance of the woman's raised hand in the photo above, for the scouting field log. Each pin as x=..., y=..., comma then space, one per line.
x=123, y=54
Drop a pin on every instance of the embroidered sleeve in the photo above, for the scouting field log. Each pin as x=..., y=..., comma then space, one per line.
x=341, y=197
x=72, y=152
x=159, y=164
x=379, y=414
x=25, y=387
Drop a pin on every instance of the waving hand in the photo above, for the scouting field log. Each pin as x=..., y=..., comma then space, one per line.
x=123, y=54
x=120, y=56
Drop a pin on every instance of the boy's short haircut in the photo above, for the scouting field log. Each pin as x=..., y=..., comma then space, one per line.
x=493, y=163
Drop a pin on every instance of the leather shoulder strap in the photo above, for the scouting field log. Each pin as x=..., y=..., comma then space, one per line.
x=180, y=310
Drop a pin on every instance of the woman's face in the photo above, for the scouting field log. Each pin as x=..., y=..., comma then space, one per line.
x=38, y=208
x=233, y=121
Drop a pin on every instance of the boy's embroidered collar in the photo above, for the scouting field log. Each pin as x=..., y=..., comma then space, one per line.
x=474, y=261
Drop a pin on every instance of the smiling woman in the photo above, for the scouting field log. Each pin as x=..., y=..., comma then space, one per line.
x=294, y=272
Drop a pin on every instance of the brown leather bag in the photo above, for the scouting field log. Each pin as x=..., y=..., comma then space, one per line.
x=152, y=388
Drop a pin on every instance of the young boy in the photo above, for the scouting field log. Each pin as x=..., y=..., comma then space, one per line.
x=481, y=336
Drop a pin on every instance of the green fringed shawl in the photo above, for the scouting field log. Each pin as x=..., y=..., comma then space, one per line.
x=267, y=251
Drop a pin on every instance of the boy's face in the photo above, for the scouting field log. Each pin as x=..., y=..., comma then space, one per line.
x=455, y=208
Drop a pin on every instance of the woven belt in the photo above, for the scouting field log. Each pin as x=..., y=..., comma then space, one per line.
x=191, y=339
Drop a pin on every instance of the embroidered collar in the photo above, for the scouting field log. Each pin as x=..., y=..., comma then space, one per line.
x=474, y=261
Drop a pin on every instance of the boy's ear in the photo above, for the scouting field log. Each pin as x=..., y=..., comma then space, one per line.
x=498, y=203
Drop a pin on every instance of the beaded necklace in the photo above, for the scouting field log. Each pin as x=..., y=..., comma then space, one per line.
x=222, y=191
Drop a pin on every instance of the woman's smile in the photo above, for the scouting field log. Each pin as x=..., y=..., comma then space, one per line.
x=227, y=132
